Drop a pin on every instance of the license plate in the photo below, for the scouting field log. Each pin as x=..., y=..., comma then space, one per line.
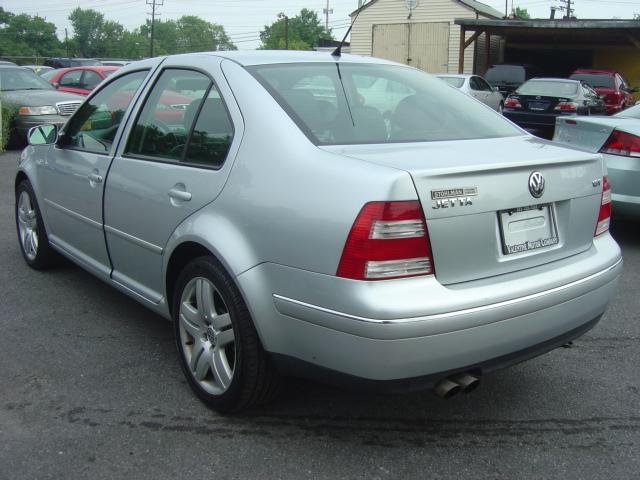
x=537, y=106
x=528, y=228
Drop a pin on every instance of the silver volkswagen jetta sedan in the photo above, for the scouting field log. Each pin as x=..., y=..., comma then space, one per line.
x=291, y=219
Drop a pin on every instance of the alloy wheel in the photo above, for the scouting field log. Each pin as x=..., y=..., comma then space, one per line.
x=207, y=338
x=28, y=226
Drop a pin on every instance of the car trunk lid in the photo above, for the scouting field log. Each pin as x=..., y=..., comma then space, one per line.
x=481, y=216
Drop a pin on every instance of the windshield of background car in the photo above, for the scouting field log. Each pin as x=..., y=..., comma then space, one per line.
x=342, y=104
x=12, y=79
x=505, y=74
x=595, y=80
x=453, y=81
x=546, y=88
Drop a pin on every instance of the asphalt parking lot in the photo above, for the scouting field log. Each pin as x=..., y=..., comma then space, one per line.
x=90, y=387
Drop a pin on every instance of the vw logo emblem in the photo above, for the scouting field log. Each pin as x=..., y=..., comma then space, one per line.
x=536, y=184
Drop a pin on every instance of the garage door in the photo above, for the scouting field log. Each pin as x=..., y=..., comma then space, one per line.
x=421, y=45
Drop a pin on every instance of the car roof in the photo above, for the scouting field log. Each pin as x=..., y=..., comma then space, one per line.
x=95, y=68
x=265, y=57
x=594, y=71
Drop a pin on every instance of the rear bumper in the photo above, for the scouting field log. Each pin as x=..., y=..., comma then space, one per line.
x=417, y=328
x=532, y=120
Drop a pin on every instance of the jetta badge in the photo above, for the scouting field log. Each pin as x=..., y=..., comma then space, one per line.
x=536, y=184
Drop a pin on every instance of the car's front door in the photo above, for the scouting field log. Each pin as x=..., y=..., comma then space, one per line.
x=74, y=172
x=72, y=82
x=169, y=167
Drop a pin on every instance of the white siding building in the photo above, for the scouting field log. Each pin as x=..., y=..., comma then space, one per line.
x=424, y=36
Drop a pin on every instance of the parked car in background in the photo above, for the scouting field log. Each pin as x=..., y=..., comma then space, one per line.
x=80, y=80
x=610, y=85
x=286, y=225
x=617, y=137
x=478, y=88
x=39, y=69
x=7, y=62
x=115, y=63
x=49, y=74
x=36, y=102
x=65, y=62
x=537, y=103
x=506, y=78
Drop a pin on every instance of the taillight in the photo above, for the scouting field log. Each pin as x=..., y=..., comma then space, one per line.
x=623, y=144
x=387, y=240
x=512, y=103
x=604, y=217
x=566, y=107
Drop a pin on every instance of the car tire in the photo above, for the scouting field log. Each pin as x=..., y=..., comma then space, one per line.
x=32, y=235
x=219, y=348
x=501, y=108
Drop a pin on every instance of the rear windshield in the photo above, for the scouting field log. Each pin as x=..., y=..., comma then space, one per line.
x=340, y=104
x=453, y=81
x=511, y=74
x=548, y=88
x=595, y=79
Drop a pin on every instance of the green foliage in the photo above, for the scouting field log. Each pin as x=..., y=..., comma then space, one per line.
x=305, y=32
x=187, y=34
x=522, y=13
x=7, y=112
x=24, y=35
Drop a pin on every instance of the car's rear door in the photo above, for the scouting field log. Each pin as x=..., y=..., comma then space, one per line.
x=74, y=172
x=168, y=168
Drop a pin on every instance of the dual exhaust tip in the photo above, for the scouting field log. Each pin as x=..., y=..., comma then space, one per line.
x=460, y=382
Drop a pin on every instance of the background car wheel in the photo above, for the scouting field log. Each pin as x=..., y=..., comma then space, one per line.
x=32, y=236
x=220, y=352
x=501, y=108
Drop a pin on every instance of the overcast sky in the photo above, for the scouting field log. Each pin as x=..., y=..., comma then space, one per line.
x=243, y=19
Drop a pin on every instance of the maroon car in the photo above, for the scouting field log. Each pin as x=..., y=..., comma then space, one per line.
x=610, y=85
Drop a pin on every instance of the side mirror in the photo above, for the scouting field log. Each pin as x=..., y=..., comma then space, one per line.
x=46, y=134
x=55, y=84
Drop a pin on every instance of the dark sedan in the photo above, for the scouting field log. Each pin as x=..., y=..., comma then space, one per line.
x=35, y=100
x=537, y=103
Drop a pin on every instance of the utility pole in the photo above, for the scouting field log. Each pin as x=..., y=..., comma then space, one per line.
x=281, y=15
x=66, y=42
x=506, y=8
x=153, y=4
x=567, y=8
x=326, y=12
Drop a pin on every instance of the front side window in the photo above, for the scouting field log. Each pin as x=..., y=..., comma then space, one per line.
x=347, y=103
x=93, y=128
x=184, y=119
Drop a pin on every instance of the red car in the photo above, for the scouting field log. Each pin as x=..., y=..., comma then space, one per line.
x=80, y=80
x=615, y=91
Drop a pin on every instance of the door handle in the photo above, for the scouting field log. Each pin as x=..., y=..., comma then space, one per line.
x=94, y=178
x=180, y=195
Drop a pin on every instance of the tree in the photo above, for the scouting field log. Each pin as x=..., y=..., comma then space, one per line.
x=188, y=34
x=521, y=13
x=24, y=35
x=87, y=31
x=305, y=32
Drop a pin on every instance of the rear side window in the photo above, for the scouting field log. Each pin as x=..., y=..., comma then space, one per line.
x=91, y=80
x=184, y=119
x=350, y=103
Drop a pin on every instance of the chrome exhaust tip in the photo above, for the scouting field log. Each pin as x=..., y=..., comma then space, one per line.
x=468, y=383
x=445, y=388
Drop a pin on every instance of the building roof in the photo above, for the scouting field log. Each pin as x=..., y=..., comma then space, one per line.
x=476, y=6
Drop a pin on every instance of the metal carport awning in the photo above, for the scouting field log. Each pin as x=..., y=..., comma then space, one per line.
x=552, y=32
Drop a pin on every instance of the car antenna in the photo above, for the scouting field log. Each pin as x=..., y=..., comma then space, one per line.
x=338, y=51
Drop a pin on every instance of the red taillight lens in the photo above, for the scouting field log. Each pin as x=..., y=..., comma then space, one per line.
x=512, y=103
x=566, y=107
x=387, y=240
x=604, y=217
x=623, y=144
